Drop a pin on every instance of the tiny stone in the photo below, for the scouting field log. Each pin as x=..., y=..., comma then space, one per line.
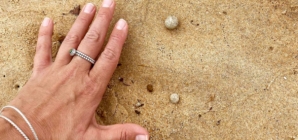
x=174, y=98
x=138, y=112
x=171, y=22
x=110, y=86
x=138, y=104
x=120, y=79
x=218, y=122
x=17, y=86
x=150, y=88
x=61, y=38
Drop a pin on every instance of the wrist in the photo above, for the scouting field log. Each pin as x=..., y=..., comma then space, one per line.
x=7, y=131
x=21, y=123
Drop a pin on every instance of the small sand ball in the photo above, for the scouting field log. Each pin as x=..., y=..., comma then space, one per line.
x=174, y=98
x=171, y=22
x=150, y=88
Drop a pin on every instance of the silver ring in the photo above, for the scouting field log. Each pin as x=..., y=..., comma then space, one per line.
x=73, y=52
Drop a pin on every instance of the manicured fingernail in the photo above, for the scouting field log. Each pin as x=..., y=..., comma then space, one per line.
x=142, y=137
x=89, y=7
x=121, y=24
x=46, y=21
x=107, y=3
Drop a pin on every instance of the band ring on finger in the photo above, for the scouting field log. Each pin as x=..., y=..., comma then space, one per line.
x=73, y=52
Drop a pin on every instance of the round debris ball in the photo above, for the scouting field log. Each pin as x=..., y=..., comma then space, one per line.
x=150, y=88
x=171, y=22
x=174, y=98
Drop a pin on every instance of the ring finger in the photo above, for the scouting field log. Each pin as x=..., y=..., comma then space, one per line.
x=93, y=40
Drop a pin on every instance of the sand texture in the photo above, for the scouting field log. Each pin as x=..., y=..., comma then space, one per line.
x=232, y=62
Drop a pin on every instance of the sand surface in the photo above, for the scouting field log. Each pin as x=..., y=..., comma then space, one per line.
x=233, y=63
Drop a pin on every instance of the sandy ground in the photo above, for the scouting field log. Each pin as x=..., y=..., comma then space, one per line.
x=233, y=63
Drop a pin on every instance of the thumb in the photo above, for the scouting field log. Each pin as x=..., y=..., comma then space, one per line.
x=122, y=132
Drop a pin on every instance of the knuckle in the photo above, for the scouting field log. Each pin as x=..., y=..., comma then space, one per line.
x=104, y=15
x=83, y=19
x=123, y=135
x=72, y=39
x=90, y=86
x=116, y=37
x=70, y=72
x=42, y=64
x=109, y=54
x=39, y=46
x=93, y=36
x=42, y=33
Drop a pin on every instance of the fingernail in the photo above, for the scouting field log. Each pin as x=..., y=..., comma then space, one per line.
x=107, y=3
x=89, y=7
x=142, y=137
x=121, y=24
x=46, y=21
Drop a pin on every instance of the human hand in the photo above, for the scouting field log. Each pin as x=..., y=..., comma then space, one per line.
x=61, y=97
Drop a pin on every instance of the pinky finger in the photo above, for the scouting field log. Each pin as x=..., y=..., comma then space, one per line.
x=43, y=55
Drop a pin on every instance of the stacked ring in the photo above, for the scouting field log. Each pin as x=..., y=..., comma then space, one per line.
x=73, y=52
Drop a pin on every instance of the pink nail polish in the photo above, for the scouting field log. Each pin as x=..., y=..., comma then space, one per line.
x=89, y=7
x=107, y=3
x=121, y=24
x=46, y=22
